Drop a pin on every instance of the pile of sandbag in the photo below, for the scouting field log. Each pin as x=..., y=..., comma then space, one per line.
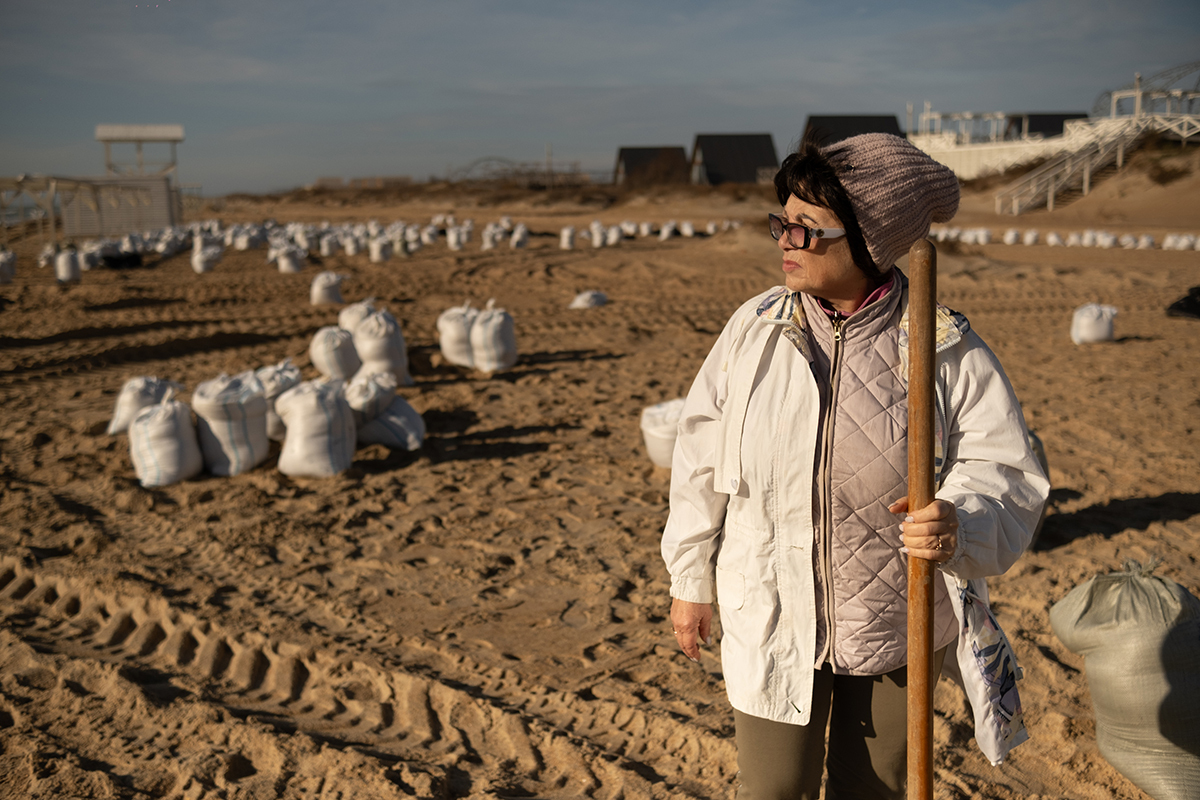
x=1139, y=635
x=478, y=339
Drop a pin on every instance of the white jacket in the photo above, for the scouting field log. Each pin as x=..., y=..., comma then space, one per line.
x=740, y=524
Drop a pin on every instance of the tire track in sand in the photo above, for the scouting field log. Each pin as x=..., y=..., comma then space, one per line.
x=413, y=704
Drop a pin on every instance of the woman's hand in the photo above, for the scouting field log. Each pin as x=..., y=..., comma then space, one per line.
x=930, y=532
x=691, y=623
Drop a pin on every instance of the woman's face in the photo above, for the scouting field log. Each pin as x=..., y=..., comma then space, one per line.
x=826, y=269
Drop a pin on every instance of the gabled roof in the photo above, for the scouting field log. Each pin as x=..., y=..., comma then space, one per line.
x=651, y=165
x=732, y=157
x=833, y=128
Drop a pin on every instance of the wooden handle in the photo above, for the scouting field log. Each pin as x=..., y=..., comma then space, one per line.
x=922, y=299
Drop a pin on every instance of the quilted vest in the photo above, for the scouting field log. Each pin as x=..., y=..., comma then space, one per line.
x=861, y=576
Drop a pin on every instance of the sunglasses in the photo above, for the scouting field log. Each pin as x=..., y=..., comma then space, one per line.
x=780, y=226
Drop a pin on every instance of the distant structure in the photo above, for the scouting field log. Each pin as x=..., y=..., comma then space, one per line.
x=830, y=129
x=1167, y=104
x=733, y=158
x=159, y=200
x=1025, y=125
x=644, y=166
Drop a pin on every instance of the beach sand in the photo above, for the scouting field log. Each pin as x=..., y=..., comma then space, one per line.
x=487, y=618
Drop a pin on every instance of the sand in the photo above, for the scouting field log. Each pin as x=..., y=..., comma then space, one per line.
x=487, y=618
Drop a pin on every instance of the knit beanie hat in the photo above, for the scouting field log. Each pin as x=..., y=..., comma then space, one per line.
x=896, y=190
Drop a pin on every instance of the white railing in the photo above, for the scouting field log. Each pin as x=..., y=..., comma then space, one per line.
x=1095, y=144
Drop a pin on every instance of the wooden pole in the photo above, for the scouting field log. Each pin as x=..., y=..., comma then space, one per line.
x=922, y=295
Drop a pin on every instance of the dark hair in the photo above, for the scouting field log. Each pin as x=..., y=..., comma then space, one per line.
x=807, y=174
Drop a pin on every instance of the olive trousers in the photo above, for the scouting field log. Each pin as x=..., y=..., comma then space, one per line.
x=867, y=721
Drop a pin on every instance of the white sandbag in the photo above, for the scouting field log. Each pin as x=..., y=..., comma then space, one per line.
x=566, y=238
x=136, y=394
x=328, y=246
x=369, y=395
x=277, y=379
x=1145, y=242
x=231, y=422
x=333, y=354
x=1030, y=238
x=1139, y=635
x=320, y=430
x=291, y=260
x=493, y=340
x=66, y=267
x=686, y=229
x=613, y=236
x=205, y=259
x=520, y=237
x=163, y=445
x=351, y=315
x=454, y=334
x=645, y=228
x=380, y=345
x=1012, y=236
x=8, y=266
x=1054, y=240
x=399, y=427
x=666, y=231
x=326, y=288
x=593, y=299
x=1092, y=323
x=380, y=250
x=660, y=426
x=1074, y=239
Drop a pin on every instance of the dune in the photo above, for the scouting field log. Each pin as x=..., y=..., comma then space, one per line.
x=486, y=617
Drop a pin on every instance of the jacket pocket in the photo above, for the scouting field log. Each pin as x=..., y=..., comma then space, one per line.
x=731, y=589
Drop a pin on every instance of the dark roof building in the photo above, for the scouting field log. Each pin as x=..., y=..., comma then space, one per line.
x=640, y=166
x=834, y=128
x=1022, y=125
x=733, y=158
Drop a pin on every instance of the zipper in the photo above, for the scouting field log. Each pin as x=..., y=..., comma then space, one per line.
x=835, y=359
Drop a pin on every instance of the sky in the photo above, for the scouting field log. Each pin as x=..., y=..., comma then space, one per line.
x=274, y=94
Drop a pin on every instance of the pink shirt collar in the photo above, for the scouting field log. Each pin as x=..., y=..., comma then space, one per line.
x=883, y=289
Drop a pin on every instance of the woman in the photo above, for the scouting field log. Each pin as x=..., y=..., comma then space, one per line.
x=789, y=480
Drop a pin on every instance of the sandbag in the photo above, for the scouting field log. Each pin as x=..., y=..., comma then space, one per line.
x=660, y=426
x=320, y=430
x=493, y=340
x=1139, y=635
x=136, y=394
x=326, y=288
x=8, y=266
x=333, y=354
x=369, y=395
x=380, y=345
x=231, y=422
x=399, y=427
x=1092, y=323
x=591, y=299
x=351, y=315
x=277, y=379
x=66, y=267
x=454, y=334
x=162, y=443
